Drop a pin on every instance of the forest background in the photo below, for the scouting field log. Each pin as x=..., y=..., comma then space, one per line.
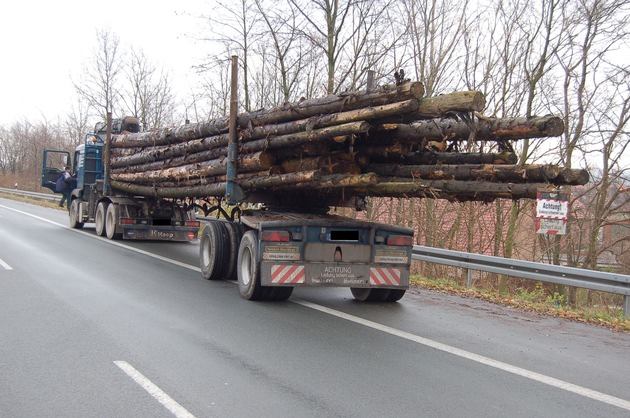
x=569, y=58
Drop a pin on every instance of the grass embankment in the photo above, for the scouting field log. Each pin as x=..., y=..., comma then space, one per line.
x=45, y=203
x=537, y=300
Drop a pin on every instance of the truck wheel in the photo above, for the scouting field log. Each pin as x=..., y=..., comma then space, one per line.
x=73, y=215
x=112, y=218
x=234, y=236
x=212, y=246
x=249, y=269
x=280, y=293
x=365, y=294
x=99, y=218
x=395, y=295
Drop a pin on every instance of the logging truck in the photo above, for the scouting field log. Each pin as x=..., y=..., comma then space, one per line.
x=115, y=214
x=269, y=249
x=265, y=181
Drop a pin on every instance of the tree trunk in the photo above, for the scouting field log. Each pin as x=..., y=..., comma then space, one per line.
x=453, y=190
x=247, y=162
x=288, y=112
x=486, y=129
x=487, y=172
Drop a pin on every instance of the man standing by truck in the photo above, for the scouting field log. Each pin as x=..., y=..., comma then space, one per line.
x=64, y=185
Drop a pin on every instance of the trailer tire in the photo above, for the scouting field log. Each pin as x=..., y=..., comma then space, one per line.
x=112, y=219
x=280, y=293
x=366, y=294
x=248, y=271
x=395, y=295
x=73, y=214
x=235, y=233
x=99, y=218
x=212, y=250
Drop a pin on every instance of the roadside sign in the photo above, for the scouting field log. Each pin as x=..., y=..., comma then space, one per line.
x=552, y=212
x=552, y=205
x=551, y=226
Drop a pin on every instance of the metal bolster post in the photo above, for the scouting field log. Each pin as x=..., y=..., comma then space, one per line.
x=106, y=153
x=233, y=191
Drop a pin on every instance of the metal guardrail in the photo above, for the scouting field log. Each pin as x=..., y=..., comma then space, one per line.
x=32, y=195
x=569, y=276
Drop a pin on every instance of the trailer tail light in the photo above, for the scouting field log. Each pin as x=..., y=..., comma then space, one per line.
x=191, y=236
x=400, y=240
x=132, y=221
x=275, y=236
x=193, y=224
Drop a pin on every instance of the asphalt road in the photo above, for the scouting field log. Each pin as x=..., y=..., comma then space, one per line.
x=94, y=328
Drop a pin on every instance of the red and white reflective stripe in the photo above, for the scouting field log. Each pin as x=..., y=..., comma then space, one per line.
x=384, y=276
x=287, y=274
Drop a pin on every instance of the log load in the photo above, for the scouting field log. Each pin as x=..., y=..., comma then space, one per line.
x=387, y=141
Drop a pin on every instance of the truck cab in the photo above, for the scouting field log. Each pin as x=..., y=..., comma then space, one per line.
x=116, y=214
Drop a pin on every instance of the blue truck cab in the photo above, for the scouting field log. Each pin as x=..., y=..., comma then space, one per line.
x=116, y=214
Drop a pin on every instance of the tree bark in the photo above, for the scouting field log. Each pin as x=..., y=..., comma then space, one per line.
x=453, y=190
x=247, y=162
x=431, y=158
x=487, y=172
x=459, y=101
x=327, y=120
x=288, y=112
x=182, y=154
x=486, y=129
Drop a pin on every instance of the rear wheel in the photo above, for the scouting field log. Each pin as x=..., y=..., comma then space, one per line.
x=112, y=219
x=234, y=236
x=249, y=269
x=73, y=215
x=280, y=293
x=395, y=295
x=365, y=294
x=212, y=246
x=99, y=218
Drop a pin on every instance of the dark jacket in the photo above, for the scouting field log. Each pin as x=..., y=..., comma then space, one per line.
x=62, y=184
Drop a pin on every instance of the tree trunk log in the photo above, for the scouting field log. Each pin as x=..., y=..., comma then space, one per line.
x=486, y=172
x=430, y=158
x=486, y=129
x=333, y=104
x=333, y=181
x=453, y=190
x=182, y=154
x=327, y=120
x=288, y=112
x=247, y=162
x=459, y=101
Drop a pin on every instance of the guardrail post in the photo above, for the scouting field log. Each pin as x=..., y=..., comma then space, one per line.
x=468, y=278
x=626, y=306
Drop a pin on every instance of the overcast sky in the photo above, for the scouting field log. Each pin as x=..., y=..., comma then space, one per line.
x=45, y=42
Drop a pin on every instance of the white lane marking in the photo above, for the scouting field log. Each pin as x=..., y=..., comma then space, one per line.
x=158, y=394
x=5, y=265
x=108, y=241
x=579, y=390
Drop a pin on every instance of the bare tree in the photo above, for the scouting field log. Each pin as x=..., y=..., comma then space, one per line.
x=234, y=25
x=77, y=123
x=596, y=110
x=436, y=30
x=148, y=95
x=98, y=84
x=346, y=34
x=290, y=54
